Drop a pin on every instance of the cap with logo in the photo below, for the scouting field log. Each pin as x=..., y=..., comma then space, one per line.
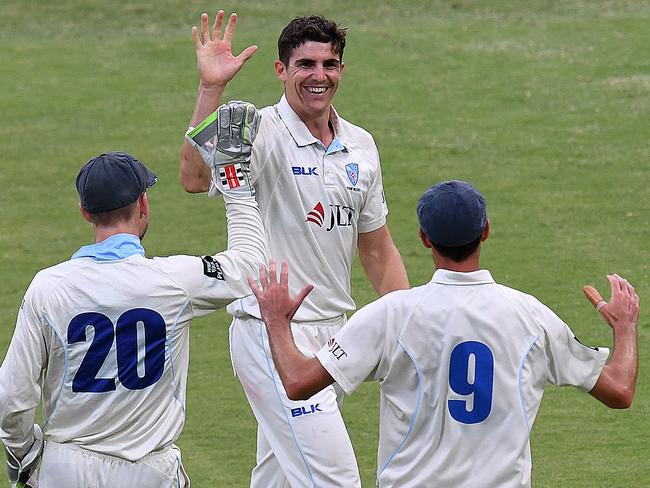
x=452, y=213
x=112, y=180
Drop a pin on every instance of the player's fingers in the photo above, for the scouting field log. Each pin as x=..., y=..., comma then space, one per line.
x=284, y=274
x=617, y=285
x=195, y=36
x=253, y=286
x=302, y=294
x=630, y=289
x=273, y=276
x=216, y=27
x=230, y=28
x=246, y=54
x=299, y=298
x=263, y=279
x=594, y=297
x=205, y=37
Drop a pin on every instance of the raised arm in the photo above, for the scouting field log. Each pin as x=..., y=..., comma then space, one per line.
x=216, y=66
x=382, y=261
x=616, y=384
x=301, y=376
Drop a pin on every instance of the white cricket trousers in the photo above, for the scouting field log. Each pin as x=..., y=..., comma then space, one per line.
x=299, y=443
x=70, y=466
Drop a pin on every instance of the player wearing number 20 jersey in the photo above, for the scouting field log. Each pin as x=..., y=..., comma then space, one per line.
x=105, y=336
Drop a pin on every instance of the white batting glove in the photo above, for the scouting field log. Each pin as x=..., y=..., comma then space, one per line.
x=23, y=473
x=225, y=140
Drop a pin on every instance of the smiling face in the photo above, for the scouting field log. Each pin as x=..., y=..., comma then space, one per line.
x=311, y=79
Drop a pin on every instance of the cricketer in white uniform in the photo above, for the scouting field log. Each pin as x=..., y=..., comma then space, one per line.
x=462, y=360
x=106, y=337
x=318, y=183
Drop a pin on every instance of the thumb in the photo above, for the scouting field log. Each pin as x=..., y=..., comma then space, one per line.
x=247, y=53
x=594, y=297
x=299, y=298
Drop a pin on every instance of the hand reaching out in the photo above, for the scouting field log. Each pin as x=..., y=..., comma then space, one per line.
x=622, y=310
x=276, y=305
x=216, y=63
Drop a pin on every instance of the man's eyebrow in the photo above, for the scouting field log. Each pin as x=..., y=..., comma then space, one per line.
x=312, y=60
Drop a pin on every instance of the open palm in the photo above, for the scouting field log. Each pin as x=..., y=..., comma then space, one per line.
x=216, y=63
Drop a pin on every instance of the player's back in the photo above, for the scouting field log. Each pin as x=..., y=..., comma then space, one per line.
x=474, y=354
x=117, y=352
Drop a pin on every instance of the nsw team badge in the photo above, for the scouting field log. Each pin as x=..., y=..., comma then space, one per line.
x=352, y=171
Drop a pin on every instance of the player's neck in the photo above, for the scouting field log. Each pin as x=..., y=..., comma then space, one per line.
x=104, y=232
x=463, y=267
x=466, y=266
x=322, y=130
x=319, y=125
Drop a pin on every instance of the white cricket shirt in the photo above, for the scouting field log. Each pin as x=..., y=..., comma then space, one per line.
x=314, y=201
x=462, y=363
x=108, y=334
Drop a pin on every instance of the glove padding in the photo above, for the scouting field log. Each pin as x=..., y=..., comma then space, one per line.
x=23, y=473
x=225, y=140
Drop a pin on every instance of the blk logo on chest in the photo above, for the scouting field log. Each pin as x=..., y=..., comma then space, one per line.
x=304, y=171
x=300, y=411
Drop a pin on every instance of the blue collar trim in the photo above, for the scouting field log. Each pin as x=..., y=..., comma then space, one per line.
x=335, y=145
x=118, y=246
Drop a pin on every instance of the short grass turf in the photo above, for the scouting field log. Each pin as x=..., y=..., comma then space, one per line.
x=543, y=105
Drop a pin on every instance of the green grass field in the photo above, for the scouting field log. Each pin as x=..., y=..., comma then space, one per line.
x=543, y=105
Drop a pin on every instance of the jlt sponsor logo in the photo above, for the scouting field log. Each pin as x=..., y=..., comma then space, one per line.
x=336, y=350
x=297, y=412
x=339, y=216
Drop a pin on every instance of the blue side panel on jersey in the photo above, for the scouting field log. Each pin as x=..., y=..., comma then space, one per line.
x=415, y=413
x=65, y=369
x=520, y=381
x=170, y=353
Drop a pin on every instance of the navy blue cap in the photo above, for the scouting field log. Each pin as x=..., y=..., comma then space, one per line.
x=111, y=181
x=452, y=213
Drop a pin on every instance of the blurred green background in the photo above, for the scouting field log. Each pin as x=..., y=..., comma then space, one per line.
x=543, y=105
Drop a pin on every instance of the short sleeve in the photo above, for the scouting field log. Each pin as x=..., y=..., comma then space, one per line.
x=569, y=361
x=355, y=352
x=374, y=211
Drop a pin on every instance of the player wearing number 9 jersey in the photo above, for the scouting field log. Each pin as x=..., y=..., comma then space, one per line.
x=106, y=336
x=462, y=360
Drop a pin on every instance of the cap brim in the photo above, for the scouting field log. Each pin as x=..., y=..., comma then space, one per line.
x=151, y=178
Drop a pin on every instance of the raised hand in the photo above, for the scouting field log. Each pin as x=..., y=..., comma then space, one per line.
x=216, y=63
x=276, y=305
x=623, y=307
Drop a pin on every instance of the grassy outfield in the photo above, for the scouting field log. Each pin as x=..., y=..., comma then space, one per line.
x=543, y=105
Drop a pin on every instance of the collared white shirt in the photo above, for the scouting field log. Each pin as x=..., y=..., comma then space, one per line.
x=106, y=336
x=462, y=363
x=314, y=202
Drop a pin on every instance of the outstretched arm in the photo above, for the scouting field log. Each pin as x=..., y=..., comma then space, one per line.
x=217, y=66
x=616, y=384
x=301, y=376
x=382, y=261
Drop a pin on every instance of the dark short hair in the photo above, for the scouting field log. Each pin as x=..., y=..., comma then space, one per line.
x=458, y=253
x=314, y=28
x=113, y=217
